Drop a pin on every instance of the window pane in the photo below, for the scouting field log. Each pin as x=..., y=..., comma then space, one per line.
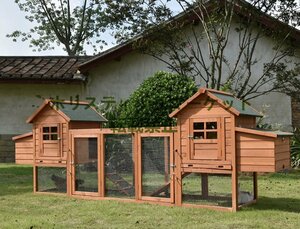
x=54, y=129
x=211, y=125
x=198, y=125
x=46, y=129
x=211, y=135
x=46, y=137
x=198, y=135
x=54, y=137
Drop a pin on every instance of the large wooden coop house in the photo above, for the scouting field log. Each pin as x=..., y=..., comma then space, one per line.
x=210, y=159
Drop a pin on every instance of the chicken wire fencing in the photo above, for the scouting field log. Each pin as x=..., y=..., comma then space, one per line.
x=207, y=189
x=155, y=155
x=245, y=188
x=86, y=164
x=51, y=179
x=119, y=166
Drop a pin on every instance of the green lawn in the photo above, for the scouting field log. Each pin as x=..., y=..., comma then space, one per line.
x=278, y=207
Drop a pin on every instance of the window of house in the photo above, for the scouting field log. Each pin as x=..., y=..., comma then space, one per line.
x=50, y=133
x=205, y=130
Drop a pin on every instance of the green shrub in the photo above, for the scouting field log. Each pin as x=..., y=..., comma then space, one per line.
x=295, y=149
x=154, y=100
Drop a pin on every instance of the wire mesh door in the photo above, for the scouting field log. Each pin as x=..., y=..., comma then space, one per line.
x=156, y=167
x=85, y=165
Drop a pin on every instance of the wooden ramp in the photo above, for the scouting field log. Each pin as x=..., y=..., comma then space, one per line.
x=122, y=185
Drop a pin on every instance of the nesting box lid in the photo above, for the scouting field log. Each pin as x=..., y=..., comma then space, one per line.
x=224, y=99
x=71, y=111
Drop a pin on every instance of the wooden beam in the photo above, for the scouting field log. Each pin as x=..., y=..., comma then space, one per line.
x=255, y=188
x=204, y=185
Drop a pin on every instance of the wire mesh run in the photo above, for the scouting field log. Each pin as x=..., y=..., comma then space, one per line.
x=207, y=189
x=119, y=166
x=51, y=179
x=245, y=188
x=86, y=164
x=156, y=166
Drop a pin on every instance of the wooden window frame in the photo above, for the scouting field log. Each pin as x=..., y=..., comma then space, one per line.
x=58, y=141
x=218, y=140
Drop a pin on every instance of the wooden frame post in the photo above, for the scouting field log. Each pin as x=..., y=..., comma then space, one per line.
x=177, y=163
x=255, y=189
x=204, y=185
x=234, y=175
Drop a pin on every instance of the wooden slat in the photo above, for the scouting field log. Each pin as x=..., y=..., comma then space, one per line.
x=256, y=153
x=282, y=156
x=256, y=161
x=282, y=148
x=24, y=151
x=205, y=146
x=206, y=154
x=256, y=168
x=255, y=145
x=24, y=156
x=25, y=144
x=24, y=162
x=283, y=164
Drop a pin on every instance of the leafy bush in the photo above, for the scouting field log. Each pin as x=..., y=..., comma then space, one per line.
x=154, y=100
x=295, y=149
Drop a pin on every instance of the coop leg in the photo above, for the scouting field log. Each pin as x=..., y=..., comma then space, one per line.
x=204, y=185
x=255, y=193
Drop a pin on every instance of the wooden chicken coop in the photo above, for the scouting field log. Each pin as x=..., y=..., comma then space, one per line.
x=210, y=159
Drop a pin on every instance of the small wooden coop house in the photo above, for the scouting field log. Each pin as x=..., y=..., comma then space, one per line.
x=210, y=159
x=49, y=138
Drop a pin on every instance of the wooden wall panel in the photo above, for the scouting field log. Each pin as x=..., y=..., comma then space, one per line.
x=246, y=121
x=282, y=153
x=255, y=153
x=85, y=125
x=24, y=150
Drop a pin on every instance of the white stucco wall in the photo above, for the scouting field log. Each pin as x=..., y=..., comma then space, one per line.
x=19, y=101
x=120, y=78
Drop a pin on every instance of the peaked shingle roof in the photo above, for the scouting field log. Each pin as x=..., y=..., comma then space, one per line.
x=242, y=107
x=71, y=111
x=226, y=100
x=39, y=68
x=81, y=112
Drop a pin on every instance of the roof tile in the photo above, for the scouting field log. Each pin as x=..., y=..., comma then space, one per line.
x=58, y=68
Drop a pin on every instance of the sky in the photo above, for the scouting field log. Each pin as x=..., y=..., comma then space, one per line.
x=11, y=19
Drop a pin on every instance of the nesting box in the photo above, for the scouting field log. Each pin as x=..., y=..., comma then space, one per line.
x=49, y=141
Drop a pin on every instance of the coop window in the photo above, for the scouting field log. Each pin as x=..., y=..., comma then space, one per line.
x=205, y=130
x=50, y=133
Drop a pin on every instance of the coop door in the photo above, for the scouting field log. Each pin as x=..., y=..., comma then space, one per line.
x=50, y=140
x=156, y=167
x=205, y=138
x=85, y=166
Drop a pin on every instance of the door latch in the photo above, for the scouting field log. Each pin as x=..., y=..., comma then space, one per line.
x=191, y=136
x=172, y=165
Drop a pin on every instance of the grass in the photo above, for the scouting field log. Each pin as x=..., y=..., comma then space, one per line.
x=278, y=207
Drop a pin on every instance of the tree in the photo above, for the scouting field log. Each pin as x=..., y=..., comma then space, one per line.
x=153, y=101
x=62, y=22
x=197, y=43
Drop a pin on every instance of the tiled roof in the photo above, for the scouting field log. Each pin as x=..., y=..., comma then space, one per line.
x=40, y=68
